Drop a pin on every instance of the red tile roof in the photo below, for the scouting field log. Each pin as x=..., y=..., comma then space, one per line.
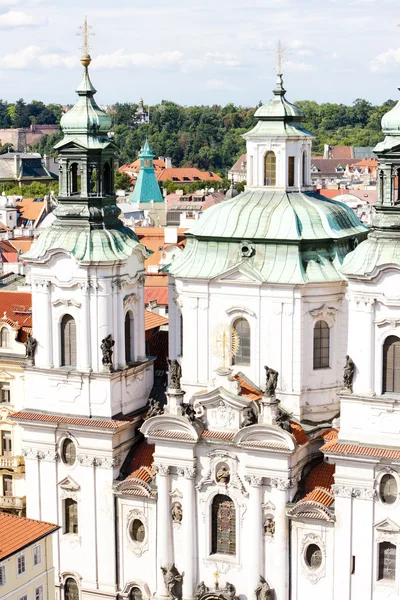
x=18, y=532
x=342, y=152
x=142, y=457
x=22, y=244
x=158, y=293
x=48, y=418
x=17, y=306
x=335, y=447
x=247, y=390
x=319, y=495
x=153, y=320
x=298, y=433
x=320, y=476
x=157, y=345
x=330, y=434
x=238, y=164
x=186, y=175
x=218, y=435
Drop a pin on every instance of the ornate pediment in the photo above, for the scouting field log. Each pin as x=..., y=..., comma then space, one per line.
x=242, y=272
x=387, y=525
x=221, y=409
x=324, y=312
x=69, y=485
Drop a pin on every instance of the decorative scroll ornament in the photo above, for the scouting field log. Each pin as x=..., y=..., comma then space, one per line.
x=218, y=459
x=222, y=415
x=313, y=574
x=138, y=548
x=225, y=344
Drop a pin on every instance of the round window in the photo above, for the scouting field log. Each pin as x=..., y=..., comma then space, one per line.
x=388, y=490
x=313, y=556
x=137, y=531
x=68, y=453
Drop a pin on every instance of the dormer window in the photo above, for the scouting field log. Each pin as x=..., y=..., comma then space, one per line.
x=291, y=171
x=4, y=338
x=270, y=169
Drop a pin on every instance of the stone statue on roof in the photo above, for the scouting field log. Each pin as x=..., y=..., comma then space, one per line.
x=271, y=381
x=249, y=417
x=263, y=591
x=175, y=374
x=348, y=374
x=30, y=348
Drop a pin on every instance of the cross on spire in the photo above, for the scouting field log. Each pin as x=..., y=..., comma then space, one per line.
x=281, y=54
x=85, y=33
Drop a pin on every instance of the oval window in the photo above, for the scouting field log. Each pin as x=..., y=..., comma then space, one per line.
x=388, y=490
x=68, y=453
x=138, y=531
x=313, y=556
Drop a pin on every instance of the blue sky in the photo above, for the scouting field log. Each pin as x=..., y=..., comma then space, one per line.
x=201, y=52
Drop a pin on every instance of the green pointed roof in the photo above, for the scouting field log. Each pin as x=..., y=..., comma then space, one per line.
x=146, y=188
x=279, y=117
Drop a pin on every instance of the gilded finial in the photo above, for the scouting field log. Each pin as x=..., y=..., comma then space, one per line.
x=216, y=579
x=281, y=53
x=85, y=33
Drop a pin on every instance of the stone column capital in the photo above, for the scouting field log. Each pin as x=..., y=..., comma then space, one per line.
x=162, y=470
x=254, y=480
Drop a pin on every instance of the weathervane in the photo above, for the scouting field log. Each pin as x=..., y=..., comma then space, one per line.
x=85, y=33
x=281, y=54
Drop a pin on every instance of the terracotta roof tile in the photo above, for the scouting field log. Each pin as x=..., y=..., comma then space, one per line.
x=48, y=418
x=320, y=495
x=144, y=474
x=158, y=293
x=152, y=320
x=218, y=435
x=142, y=456
x=330, y=434
x=18, y=532
x=335, y=447
x=320, y=476
x=22, y=244
x=298, y=433
x=247, y=390
x=191, y=174
x=29, y=210
x=266, y=444
x=17, y=306
x=172, y=435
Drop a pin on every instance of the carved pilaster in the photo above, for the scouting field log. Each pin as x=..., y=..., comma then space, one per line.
x=254, y=480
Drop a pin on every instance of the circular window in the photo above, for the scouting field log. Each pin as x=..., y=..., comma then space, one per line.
x=313, y=556
x=388, y=490
x=68, y=453
x=138, y=531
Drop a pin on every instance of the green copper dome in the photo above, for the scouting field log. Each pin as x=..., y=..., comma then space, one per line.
x=391, y=121
x=293, y=237
x=86, y=117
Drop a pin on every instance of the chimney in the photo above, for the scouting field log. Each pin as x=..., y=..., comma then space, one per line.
x=326, y=150
x=17, y=165
x=168, y=162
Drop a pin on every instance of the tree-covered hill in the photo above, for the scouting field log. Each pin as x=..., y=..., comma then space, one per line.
x=210, y=137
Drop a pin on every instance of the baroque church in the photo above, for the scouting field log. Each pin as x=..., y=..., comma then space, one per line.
x=272, y=471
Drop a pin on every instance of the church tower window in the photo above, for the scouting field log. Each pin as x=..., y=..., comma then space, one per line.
x=388, y=490
x=71, y=516
x=71, y=591
x=391, y=365
x=243, y=330
x=223, y=525
x=128, y=337
x=68, y=341
x=107, y=179
x=304, y=168
x=68, y=452
x=270, y=169
x=74, y=179
x=5, y=337
x=387, y=561
x=291, y=171
x=321, y=345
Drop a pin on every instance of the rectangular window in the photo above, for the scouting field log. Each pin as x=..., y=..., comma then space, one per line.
x=291, y=171
x=39, y=593
x=24, y=597
x=3, y=575
x=387, y=561
x=5, y=393
x=37, y=555
x=321, y=346
x=71, y=516
x=7, y=485
x=21, y=564
x=6, y=444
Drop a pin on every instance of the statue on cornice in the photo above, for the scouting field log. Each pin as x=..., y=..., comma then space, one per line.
x=175, y=374
x=173, y=581
x=348, y=374
x=283, y=420
x=201, y=590
x=249, y=417
x=155, y=408
x=223, y=475
x=188, y=412
x=30, y=348
x=177, y=513
x=230, y=591
x=271, y=381
x=263, y=591
x=106, y=347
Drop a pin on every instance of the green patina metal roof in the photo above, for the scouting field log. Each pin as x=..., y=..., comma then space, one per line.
x=298, y=237
x=278, y=118
x=372, y=254
x=146, y=188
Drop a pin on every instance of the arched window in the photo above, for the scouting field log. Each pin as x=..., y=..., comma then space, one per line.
x=387, y=561
x=107, y=179
x=5, y=337
x=242, y=356
x=135, y=594
x=388, y=490
x=291, y=163
x=304, y=168
x=71, y=591
x=321, y=345
x=223, y=525
x=74, y=178
x=71, y=516
x=68, y=341
x=391, y=365
x=270, y=169
x=128, y=337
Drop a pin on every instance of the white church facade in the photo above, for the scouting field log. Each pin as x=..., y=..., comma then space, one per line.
x=273, y=468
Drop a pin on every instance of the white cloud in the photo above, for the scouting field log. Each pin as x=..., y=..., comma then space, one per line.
x=13, y=19
x=34, y=56
x=122, y=60
x=224, y=59
x=385, y=61
x=219, y=85
x=290, y=65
